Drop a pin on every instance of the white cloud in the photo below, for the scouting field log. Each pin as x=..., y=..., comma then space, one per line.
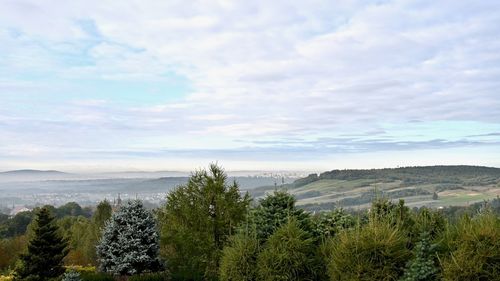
x=259, y=69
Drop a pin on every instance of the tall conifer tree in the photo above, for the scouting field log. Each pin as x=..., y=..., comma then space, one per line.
x=46, y=251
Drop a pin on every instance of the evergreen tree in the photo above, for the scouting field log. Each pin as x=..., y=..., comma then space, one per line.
x=197, y=221
x=129, y=244
x=288, y=254
x=376, y=251
x=473, y=247
x=328, y=224
x=275, y=210
x=46, y=251
x=422, y=266
x=239, y=258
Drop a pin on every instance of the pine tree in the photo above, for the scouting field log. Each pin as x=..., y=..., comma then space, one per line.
x=129, y=244
x=46, y=251
x=239, y=258
x=288, y=255
x=275, y=210
x=198, y=220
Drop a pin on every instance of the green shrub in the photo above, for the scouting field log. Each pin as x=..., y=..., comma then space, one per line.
x=289, y=254
x=95, y=276
x=71, y=275
x=158, y=276
x=474, y=246
x=239, y=258
x=376, y=251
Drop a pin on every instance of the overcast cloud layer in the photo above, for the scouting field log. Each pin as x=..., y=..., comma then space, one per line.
x=253, y=84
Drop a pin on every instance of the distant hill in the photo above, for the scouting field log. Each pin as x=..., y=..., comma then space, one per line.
x=453, y=185
x=33, y=175
x=31, y=172
x=467, y=175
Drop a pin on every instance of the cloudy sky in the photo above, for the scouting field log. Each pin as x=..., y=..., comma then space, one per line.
x=315, y=85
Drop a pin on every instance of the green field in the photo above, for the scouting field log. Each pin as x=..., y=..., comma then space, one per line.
x=453, y=185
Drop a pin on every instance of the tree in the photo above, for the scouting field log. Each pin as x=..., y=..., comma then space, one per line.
x=435, y=196
x=422, y=267
x=328, y=224
x=197, y=220
x=239, y=258
x=16, y=225
x=474, y=249
x=10, y=249
x=93, y=232
x=70, y=209
x=288, y=254
x=46, y=251
x=129, y=244
x=102, y=214
x=275, y=210
x=376, y=251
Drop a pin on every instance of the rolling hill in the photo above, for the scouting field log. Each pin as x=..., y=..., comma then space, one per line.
x=432, y=186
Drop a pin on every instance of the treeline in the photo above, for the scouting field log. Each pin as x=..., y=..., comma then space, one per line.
x=208, y=230
x=447, y=175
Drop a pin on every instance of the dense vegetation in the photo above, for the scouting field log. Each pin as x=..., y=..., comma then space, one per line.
x=209, y=230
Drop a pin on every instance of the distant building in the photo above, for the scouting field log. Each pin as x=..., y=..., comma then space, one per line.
x=18, y=209
x=117, y=203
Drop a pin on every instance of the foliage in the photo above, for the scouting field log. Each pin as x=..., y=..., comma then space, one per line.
x=71, y=209
x=275, y=210
x=429, y=221
x=466, y=175
x=197, y=221
x=474, y=246
x=328, y=224
x=129, y=244
x=16, y=225
x=287, y=255
x=239, y=258
x=397, y=215
x=423, y=266
x=158, y=276
x=96, y=276
x=71, y=276
x=46, y=251
x=10, y=249
x=376, y=251
x=86, y=236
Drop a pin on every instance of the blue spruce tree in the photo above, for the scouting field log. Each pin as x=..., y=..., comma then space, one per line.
x=129, y=244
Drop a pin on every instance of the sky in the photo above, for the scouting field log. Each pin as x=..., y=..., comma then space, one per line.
x=252, y=85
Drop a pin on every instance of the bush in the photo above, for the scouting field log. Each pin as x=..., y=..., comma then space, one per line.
x=71, y=276
x=239, y=258
x=289, y=254
x=376, y=251
x=96, y=276
x=474, y=246
x=158, y=276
